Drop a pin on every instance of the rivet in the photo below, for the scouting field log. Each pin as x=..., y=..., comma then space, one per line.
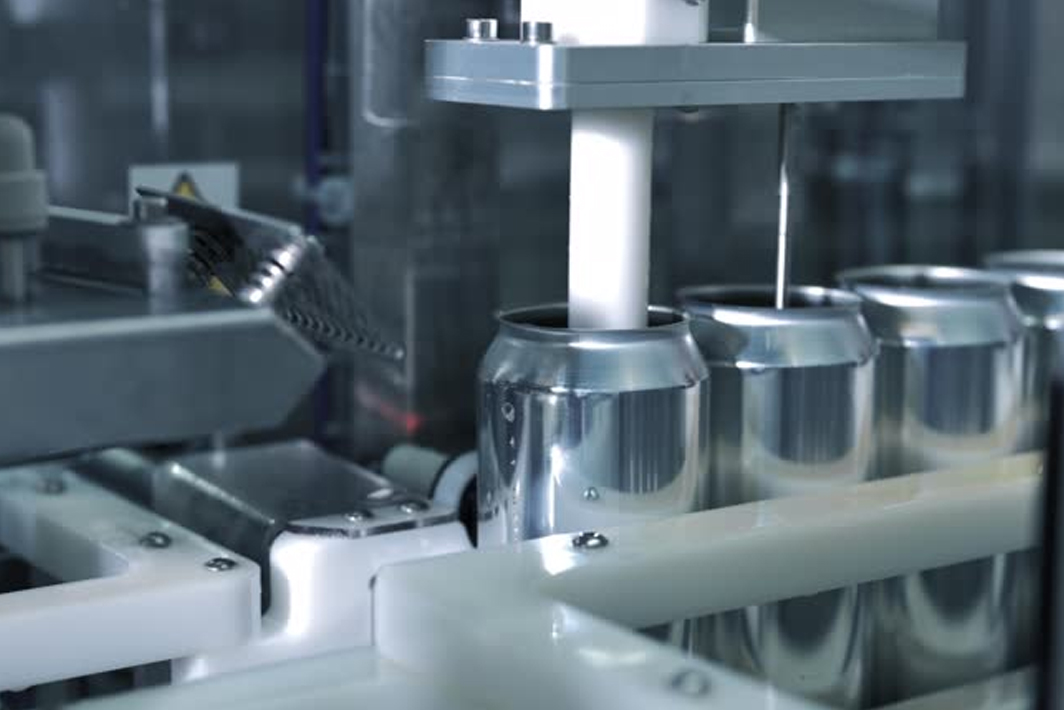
x=156, y=540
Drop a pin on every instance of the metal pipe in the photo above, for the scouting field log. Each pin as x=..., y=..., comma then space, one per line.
x=783, y=240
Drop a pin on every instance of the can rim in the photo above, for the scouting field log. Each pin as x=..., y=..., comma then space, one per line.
x=928, y=280
x=804, y=302
x=1026, y=261
x=550, y=321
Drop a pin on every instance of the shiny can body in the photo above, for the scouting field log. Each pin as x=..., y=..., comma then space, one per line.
x=949, y=392
x=791, y=412
x=585, y=429
x=1037, y=281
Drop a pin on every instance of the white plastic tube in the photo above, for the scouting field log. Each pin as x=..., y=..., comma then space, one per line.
x=609, y=218
x=612, y=160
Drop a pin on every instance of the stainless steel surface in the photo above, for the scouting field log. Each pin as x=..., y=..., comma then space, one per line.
x=423, y=247
x=826, y=20
x=266, y=262
x=549, y=77
x=783, y=238
x=564, y=410
x=949, y=392
x=91, y=368
x=150, y=255
x=791, y=414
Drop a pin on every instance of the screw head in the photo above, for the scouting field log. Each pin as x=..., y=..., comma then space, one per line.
x=220, y=564
x=156, y=540
x=358, y=516
x=590, y=541
x=692, y=683
x=591, y=494
x=52, y=486
x=381, y=494
x=413, y=507
x=537, y=32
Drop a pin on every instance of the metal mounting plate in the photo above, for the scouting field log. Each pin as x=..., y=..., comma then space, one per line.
x=567, y=77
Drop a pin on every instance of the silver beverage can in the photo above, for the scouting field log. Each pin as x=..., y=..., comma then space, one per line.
x=1037, y=281
x=948, y=393
x=791, y=409
x=585, y=429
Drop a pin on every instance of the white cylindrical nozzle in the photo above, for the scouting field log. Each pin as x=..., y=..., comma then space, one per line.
x=612, y=160
x=609, y=219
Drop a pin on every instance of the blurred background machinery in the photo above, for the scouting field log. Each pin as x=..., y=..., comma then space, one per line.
x=443, y=214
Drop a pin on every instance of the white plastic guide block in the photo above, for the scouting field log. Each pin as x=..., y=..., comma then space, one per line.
x=612, y=159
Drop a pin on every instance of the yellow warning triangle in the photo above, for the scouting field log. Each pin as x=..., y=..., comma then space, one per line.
x=185, y=186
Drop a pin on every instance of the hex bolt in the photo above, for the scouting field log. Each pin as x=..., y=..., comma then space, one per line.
x=482, y=29
x=358, y=516
x=537, y=32
x=156, y=540
x=590, y=541
x=220, y=564
x=692, y=683
x=413, y=507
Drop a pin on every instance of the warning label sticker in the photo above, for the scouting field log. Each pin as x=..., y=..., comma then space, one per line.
x=218, y=183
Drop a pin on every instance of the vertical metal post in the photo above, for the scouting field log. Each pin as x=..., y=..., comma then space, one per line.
x=783, y=245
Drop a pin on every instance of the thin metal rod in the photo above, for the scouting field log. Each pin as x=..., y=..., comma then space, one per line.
x=783, y=243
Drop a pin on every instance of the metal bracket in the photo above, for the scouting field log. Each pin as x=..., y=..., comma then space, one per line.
x=549, y=77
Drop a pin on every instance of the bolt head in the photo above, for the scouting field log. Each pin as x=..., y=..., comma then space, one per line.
x=220, y=564
x=590, y=541
x=482, y=29
x=358, y=516
x=156, y=540
x=591, y=494
x=381, y=494
x=413, y=507
x=692, y=683
x=537, y=32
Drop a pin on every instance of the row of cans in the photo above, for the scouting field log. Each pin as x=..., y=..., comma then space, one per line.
x=728, y=400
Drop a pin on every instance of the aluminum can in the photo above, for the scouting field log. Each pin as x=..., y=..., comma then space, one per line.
x=584, y=429
x=1037, y=282
x=791, y=409
x=949, y=392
